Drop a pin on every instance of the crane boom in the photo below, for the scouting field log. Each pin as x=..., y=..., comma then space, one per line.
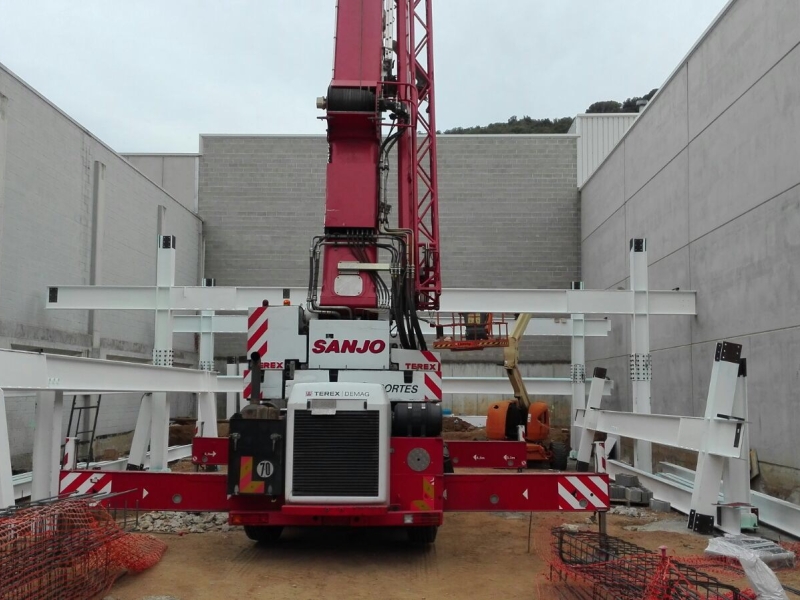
x=382, y=80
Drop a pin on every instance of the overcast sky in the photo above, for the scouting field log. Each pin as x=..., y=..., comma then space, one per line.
x=150, y=75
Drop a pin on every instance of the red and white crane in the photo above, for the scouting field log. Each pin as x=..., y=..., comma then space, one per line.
x=344, y=419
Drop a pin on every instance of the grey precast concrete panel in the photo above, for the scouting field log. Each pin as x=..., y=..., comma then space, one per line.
x=750, y=153
x=659, y=212
x=773, y=375
x=607, y=241
x=748, y=43
x=654, y=141
x=672, y=381
x=667, y=331
x=746, y=274
x=604, y=193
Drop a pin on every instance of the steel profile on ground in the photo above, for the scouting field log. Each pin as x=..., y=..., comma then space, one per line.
x=612, y=568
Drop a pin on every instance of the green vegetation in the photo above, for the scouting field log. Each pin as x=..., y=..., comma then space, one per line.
x=528, y=125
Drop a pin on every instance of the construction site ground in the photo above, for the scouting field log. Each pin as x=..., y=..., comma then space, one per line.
x=476, y=555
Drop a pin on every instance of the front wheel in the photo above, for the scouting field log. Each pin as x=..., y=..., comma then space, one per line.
x=423, y=535
x=263, y=534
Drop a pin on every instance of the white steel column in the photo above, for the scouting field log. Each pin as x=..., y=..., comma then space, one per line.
x=162, y=351
x=6, y=478
x=206, y=402
x=232, y=399
x=736, y=472
x=207, y=334
x=141, y=435
x=590, y=418
x=736, y=476
x=47, y=445
x=207, y=414
x=577, y=370
x=70, y=454
x=640, y=359
x=721, y=393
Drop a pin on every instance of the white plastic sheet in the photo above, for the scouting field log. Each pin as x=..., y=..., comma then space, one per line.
x=762, y=579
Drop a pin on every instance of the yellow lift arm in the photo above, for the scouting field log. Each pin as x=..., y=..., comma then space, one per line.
x=511, y=359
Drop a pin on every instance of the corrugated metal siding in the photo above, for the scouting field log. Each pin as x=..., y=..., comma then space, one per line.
x=598, y=136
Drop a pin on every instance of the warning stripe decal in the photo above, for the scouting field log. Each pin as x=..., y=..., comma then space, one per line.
x=577, y=492
x=246, y=483
x=74, y=484
x=434, y=387
x=257, y=327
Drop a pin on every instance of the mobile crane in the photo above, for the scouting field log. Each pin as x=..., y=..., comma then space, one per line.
x=343, y=420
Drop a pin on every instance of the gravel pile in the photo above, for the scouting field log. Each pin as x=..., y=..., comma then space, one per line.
x=180, y=522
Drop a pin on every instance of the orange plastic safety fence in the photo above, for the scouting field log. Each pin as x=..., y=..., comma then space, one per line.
x=67, y=549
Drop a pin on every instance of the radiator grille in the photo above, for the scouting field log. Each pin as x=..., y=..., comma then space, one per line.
x=336, y=455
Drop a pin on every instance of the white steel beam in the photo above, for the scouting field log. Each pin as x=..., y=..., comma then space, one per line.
x=566, y=302
x=6, y=478
x=47, y=445
x=640, y=359
x=501, y=386
x=721, y=437
x=562, y=327
x=180, y=298
x=33, y=371
x=675, y=485
x=218, y=323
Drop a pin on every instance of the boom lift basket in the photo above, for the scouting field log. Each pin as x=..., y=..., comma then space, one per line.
x=470, y=331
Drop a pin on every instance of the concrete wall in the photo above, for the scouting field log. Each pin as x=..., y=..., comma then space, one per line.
x=174, y=173
x=508, y=209
x=710, y=175
x=47, y=208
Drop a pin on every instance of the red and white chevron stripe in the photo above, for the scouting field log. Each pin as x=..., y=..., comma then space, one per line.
x=247, y=391
x=77, y=483
x=582, y=491
x=433, y=385
x=257, y=326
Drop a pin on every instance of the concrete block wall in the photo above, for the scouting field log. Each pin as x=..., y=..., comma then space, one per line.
x=509, y=216
x=710, y=175
x=47, y=164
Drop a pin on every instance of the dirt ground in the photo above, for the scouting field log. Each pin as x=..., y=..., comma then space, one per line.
x=476, y=556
